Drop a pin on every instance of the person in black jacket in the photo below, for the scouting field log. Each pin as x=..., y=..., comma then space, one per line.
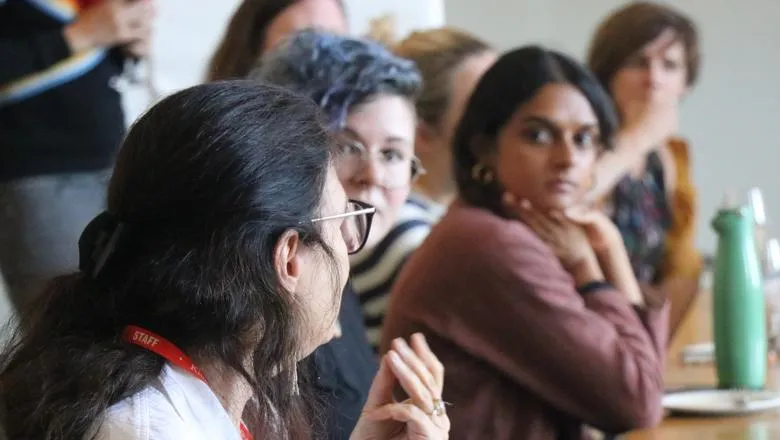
x=343, y=371
x=61, y=122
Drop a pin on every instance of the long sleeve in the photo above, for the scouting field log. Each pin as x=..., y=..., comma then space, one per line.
x=23, y=56
x=59, y=111
x=592, y=356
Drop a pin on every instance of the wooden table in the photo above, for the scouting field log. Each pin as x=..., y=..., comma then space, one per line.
x=697, y=327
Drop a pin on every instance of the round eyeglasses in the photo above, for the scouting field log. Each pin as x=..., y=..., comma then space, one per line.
x=356, y=225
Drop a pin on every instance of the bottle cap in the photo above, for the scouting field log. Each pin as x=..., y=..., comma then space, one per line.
x=730, y=201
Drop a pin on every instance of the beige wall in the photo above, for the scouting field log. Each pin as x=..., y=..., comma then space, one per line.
x=733, y=115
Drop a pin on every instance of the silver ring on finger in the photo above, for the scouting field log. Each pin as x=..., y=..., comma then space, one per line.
x=439, y=409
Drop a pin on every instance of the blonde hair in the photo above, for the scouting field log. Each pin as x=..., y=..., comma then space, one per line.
x=382, y=30
x=438, y=54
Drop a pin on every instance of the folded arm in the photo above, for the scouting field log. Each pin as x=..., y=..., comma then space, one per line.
x=591, y=355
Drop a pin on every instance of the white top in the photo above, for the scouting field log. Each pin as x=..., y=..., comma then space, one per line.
x=176, y=406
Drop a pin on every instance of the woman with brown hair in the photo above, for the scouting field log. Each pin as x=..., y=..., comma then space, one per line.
x=259, y=25
x=647, y=56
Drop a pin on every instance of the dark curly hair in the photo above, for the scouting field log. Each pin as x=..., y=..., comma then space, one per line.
x=338, y=72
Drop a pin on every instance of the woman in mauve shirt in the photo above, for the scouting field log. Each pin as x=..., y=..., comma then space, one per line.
x=528, y=299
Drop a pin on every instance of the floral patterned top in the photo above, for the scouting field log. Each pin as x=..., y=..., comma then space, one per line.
x=641, y=211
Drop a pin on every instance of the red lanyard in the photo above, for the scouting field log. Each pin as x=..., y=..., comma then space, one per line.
x=171, y=353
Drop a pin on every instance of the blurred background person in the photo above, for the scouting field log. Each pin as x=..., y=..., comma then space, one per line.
x=451, y=62
x=259, y=25
x=61, y=122
x=647, y=56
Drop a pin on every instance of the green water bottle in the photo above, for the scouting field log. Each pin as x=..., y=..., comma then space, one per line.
x=739, y=320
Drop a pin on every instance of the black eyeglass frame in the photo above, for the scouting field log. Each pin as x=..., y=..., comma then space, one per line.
x=365, y=209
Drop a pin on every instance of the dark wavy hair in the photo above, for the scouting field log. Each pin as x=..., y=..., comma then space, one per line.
x=338, y=72
x=205, y=184
x=510, y=83
x=245, y=37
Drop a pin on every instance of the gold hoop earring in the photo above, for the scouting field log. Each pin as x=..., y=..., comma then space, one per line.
x=482, y=174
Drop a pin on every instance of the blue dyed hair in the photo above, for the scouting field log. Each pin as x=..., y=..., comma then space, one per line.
x=337, y=72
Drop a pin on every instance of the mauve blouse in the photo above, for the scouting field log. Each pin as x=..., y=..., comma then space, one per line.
x=527, y=354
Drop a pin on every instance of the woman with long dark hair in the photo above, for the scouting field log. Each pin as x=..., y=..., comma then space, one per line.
x=530, y=302
x=217, y=267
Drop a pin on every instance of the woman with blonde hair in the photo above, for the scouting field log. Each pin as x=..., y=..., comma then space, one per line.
x=451, y=62
x=647, y=57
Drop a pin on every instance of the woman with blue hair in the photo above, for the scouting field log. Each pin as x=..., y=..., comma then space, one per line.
x=367, y=94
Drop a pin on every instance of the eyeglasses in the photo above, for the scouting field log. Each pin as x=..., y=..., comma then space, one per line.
x=397, y=170
x=356, y=225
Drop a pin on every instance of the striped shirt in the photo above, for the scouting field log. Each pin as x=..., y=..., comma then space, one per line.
x=373, y=271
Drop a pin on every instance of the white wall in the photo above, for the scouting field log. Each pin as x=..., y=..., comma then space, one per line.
x=186, y=36
x=410, y=14
x=731, y=117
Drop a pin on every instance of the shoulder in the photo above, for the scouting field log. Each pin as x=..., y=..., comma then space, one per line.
x=409, y=232
x=473, y=264
x=404, y=238
x=683, y=194
x=482, y=229
x=147, y=415
x=177, y=405
x=675, y=159
x=678, y=155
x=420, y=206
x=679, y=150
x=473, y=240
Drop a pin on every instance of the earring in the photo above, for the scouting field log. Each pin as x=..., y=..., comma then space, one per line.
x=295, y=389
x=482, y=174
